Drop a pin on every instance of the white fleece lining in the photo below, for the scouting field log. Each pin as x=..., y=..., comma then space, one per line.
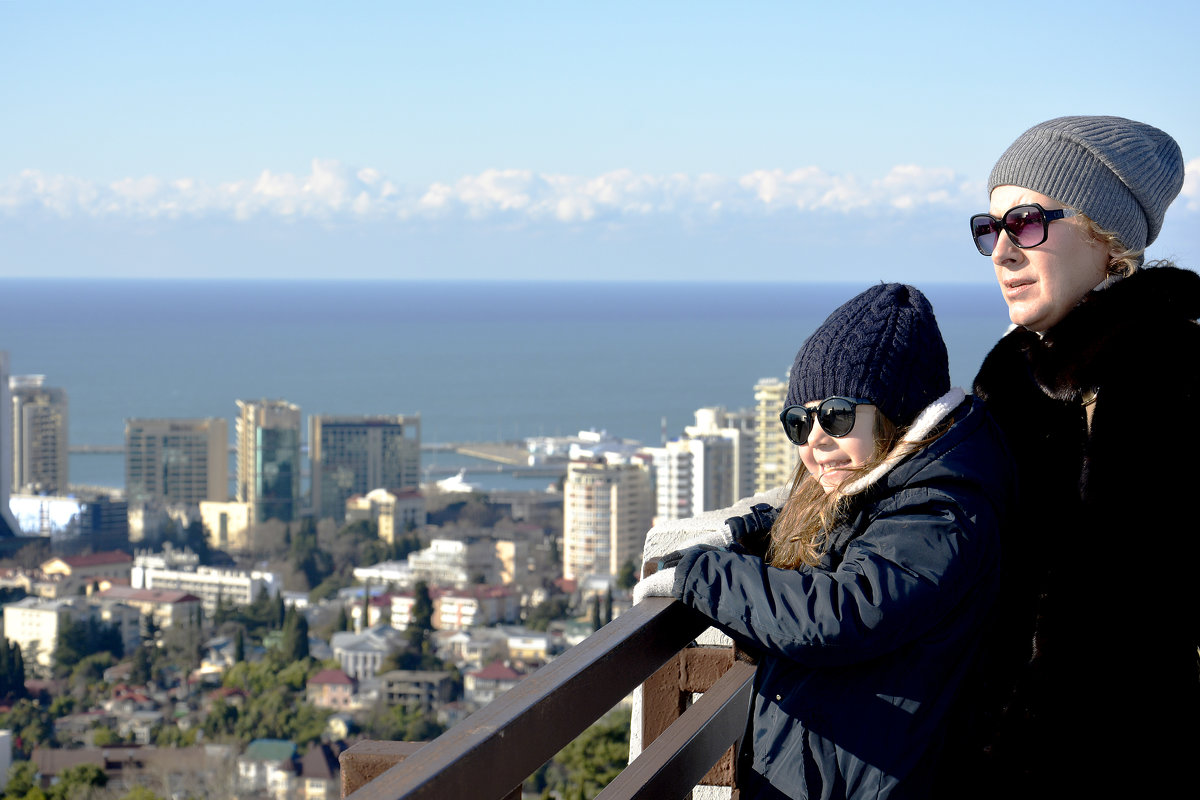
x=925, y=422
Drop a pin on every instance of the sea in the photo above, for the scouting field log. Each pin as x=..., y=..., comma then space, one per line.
x=479, y=361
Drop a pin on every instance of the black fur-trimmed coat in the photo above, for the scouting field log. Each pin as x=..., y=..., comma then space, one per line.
x=1093, y=661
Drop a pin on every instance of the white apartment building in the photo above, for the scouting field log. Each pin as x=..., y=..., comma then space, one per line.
x=34, y=624
x=460, y=609
x=210, y=584
x=386, y=573
x=736, y=427
x=608, y=505
x=393, y=512
x=454, y=562
x=673, y=480
x=692, y=475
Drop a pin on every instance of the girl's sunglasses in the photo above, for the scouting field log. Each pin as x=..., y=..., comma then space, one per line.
x=834, y=414
x=1027, y=225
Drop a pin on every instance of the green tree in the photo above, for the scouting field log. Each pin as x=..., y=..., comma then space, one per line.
x=140, y=793
x=22, y=777
x=279, y=612
x=81, y=638
x=627, y=576
x=12, y=671
x=553, y=608
x=402, y=724
x=420, y=623
x=90, y=669
x=78, y=782
x=149, y=627
x=104, y=737
x=195, y=538
x=595, y=613
x=274, y=707
x=221, y=720
x=588, y=764
x=295, y=636
x=143, y=666
x=422, y=610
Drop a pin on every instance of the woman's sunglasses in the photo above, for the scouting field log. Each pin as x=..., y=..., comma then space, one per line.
x=1027, y=225
x=835, y=415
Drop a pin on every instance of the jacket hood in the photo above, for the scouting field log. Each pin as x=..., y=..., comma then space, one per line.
x=922, y=426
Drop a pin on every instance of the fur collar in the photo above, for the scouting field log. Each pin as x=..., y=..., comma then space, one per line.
x=1071, y=358
x=922, y=426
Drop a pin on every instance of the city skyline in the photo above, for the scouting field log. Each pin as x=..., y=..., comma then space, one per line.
x=537, y=142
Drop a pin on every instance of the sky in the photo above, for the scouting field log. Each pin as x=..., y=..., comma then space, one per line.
x=674, y=141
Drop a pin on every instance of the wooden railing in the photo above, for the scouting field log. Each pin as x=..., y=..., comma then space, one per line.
x=490, y=754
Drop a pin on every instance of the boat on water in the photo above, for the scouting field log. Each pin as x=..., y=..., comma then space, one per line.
x=457, y=483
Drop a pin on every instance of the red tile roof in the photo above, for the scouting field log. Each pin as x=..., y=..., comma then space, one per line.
x=148, y=595
x=331, y=676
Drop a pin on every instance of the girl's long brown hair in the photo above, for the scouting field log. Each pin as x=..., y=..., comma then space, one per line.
x=798, y=535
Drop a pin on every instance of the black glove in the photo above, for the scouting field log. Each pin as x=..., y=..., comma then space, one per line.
x=752, y=532
x=670, y=560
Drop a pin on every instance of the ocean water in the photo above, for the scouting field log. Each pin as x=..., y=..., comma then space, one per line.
x=480, y=361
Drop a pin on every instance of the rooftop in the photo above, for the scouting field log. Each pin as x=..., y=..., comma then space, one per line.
x=92, y=559
x=331, y=676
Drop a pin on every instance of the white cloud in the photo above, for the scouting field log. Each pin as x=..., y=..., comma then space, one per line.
x=337, y=193
x=1191, y=185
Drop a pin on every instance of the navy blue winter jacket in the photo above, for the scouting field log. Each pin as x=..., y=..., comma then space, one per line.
x=860, y=657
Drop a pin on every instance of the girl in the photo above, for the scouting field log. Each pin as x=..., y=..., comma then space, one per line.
x=865, y=598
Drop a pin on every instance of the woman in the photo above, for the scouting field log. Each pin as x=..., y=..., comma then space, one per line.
x=1097, y=649
x=867, y=605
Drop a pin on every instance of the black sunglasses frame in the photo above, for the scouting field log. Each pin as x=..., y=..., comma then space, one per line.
x=1002, y=224
x=798, y=433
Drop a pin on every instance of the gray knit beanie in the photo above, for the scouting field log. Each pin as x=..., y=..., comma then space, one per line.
x=1122, y=174
x=884, y=346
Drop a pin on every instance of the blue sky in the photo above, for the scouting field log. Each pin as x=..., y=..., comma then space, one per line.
x=672, y=141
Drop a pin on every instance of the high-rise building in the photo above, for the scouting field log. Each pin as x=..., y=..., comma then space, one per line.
x=8, y=525
x=268, y=459
x=692, y=475
x=776, y=455
x=672, y=469
x=176, y=460
x=355, y=455
x=607, y=508
x=736, y=427
x=39, y=429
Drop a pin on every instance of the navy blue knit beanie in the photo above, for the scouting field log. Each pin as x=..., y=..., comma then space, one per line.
x=884, y=346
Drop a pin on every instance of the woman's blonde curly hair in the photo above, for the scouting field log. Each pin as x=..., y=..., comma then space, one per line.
x=1122, y=261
